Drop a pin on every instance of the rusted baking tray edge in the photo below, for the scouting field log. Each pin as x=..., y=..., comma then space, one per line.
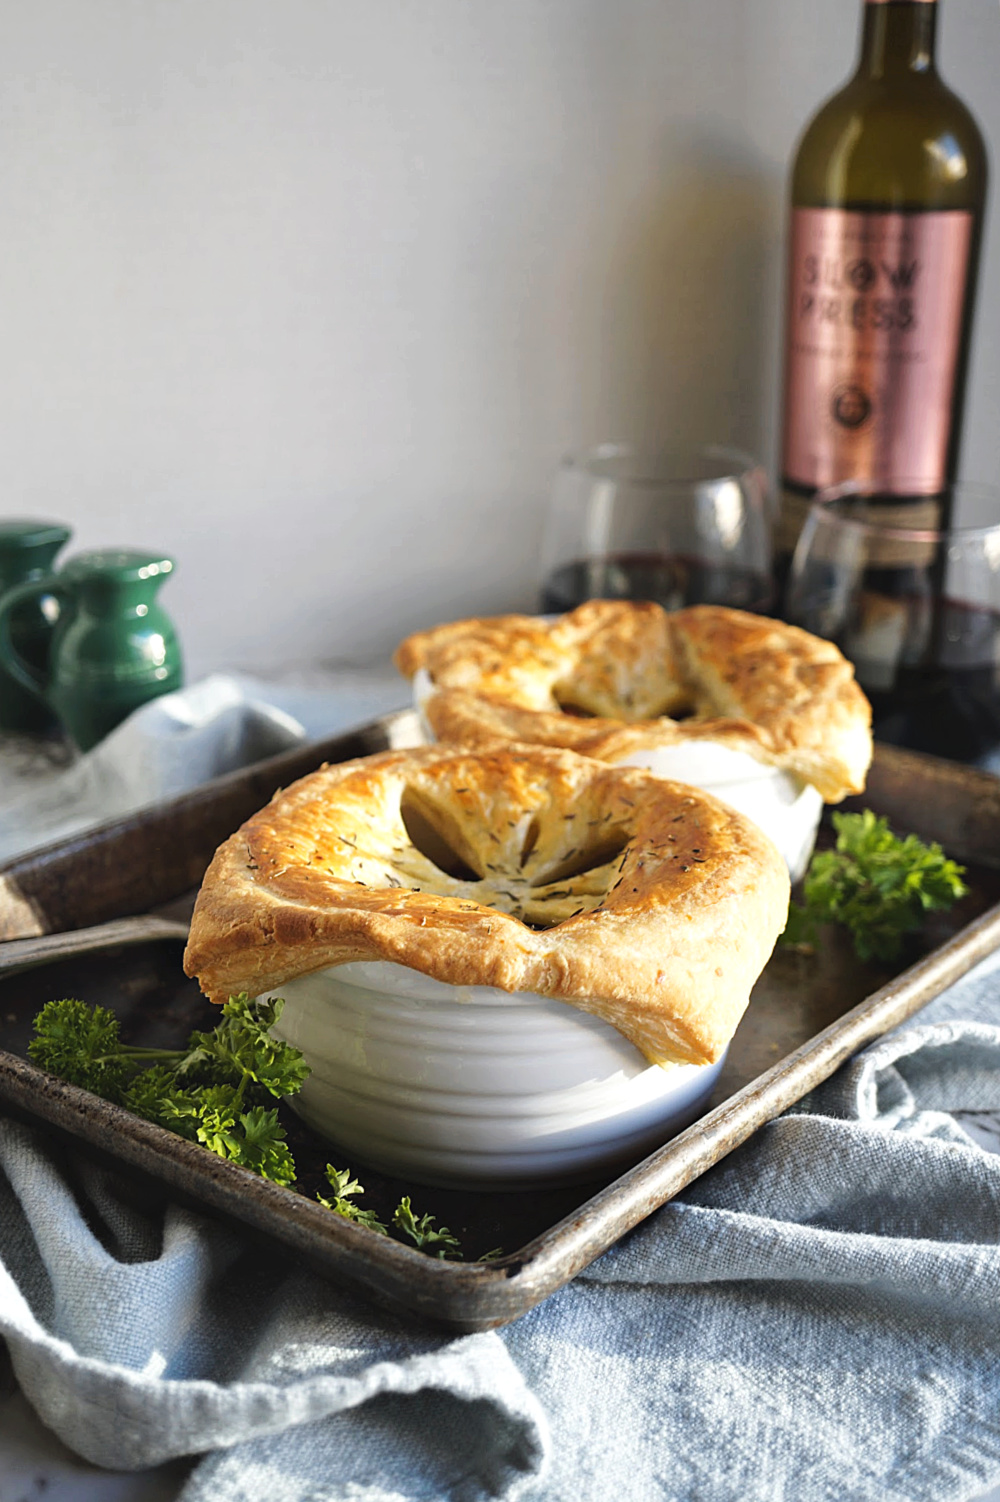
x=479, y=1296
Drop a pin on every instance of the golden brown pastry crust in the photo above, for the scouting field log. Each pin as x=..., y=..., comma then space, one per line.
x=785, y=697
x=643, y=901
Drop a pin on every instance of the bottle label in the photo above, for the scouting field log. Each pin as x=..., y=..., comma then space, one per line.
x=874, y=324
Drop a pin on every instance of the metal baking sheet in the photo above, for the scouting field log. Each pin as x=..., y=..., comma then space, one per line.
x=805, y=1018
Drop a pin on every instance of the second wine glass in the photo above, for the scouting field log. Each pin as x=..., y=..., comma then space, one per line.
x=917, y=611
x=676, y=528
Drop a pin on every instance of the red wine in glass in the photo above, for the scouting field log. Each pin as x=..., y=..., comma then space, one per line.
x=948, y=704
x=670, y=580
x=916, y=608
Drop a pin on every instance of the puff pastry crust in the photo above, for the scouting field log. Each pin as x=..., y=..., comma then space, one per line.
x=645, y=902
x=614, y=677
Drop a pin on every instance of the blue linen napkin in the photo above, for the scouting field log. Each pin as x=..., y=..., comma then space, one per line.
x=816, y=1318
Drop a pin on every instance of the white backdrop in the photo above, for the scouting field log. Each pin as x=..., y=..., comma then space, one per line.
x=314, y=294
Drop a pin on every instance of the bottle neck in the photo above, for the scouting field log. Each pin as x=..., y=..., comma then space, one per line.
x=897, y=37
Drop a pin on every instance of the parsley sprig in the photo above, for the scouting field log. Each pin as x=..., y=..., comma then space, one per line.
x=344, y=1190
x=877, y=885
x=425, y=1237
x=216, y=1092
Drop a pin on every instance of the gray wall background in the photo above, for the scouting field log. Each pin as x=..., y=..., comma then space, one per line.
x=314, y=295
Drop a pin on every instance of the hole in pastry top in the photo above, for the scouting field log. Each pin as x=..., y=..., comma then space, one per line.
x=456, y=850
x=520, y=867
x=435, y=835
x=566, y=704
x=613, y=677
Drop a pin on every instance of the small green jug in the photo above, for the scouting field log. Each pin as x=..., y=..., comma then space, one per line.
x=27, y=551
x=113, y=648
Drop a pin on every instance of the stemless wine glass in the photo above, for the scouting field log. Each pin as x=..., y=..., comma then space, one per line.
x=678, y=528
x=915, y=607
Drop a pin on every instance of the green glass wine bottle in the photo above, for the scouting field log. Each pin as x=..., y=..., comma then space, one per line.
x=888, y=188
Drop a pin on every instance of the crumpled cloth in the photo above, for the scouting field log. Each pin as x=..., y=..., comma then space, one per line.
x=816, y=1318
x=175, y=743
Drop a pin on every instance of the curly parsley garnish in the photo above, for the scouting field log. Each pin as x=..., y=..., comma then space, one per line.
x=216, y=1092
x=439, y=1242
x=345, y=1188
x=877, y=885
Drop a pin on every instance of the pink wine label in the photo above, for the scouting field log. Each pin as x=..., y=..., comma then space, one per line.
x=874, y=323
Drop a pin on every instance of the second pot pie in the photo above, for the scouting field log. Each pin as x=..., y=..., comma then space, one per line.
x=616, y=677
x=760, y=713
x=644, y=902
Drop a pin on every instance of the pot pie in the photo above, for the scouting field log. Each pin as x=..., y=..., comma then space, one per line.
x=643, y=902
x=616, y=677
x=763, y=714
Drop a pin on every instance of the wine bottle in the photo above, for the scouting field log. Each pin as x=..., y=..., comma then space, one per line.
x=887, y=194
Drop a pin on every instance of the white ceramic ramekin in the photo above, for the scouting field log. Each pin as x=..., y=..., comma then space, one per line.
x=474, y=1087
x=423, y=689
x=785, y=808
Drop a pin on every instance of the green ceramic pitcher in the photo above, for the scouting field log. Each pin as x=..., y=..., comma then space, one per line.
x=113, y=647
x=27, y=550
